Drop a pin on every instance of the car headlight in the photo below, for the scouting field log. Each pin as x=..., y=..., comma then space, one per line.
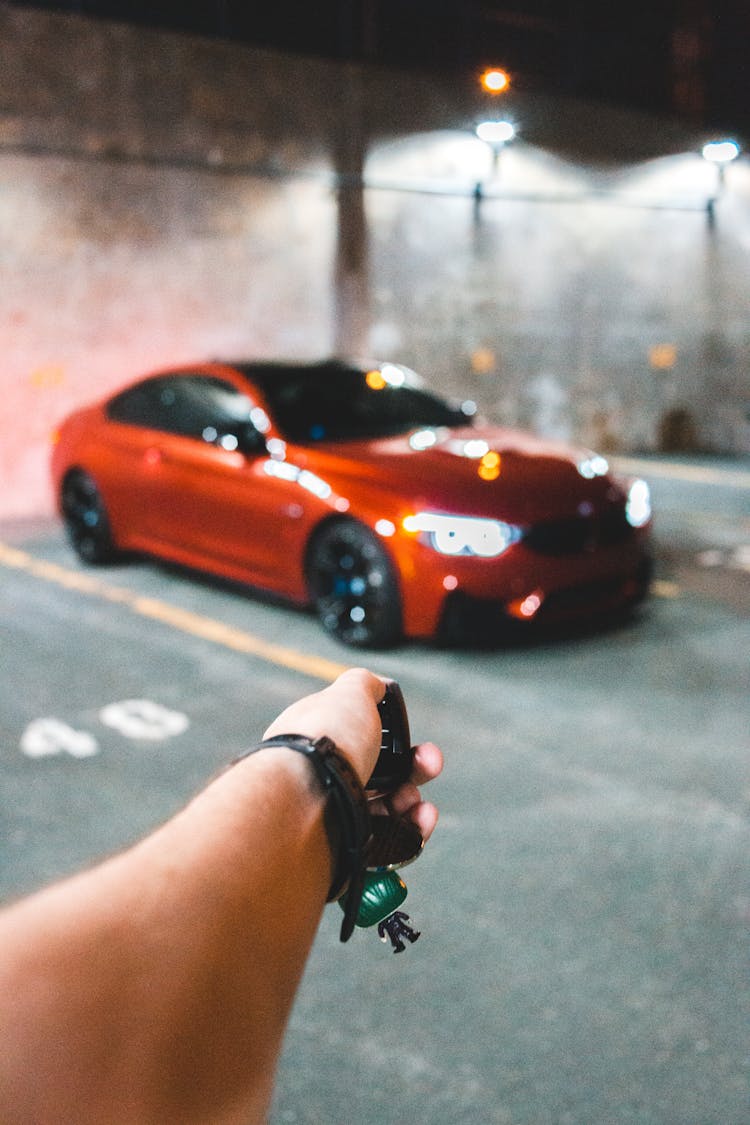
x=463, y=535
x=638, y=504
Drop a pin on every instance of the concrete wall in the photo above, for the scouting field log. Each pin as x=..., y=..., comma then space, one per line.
x=167, y=198
x=613, y=319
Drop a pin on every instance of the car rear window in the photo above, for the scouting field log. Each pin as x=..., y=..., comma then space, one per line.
x=183, y=404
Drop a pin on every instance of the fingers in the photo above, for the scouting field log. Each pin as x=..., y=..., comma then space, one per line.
x=428, y=763
x=407, y=800
x=345, y=711
x=425, y=816
x=347, y=704
x=359, y=679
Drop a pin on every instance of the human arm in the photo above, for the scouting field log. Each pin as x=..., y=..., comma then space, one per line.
x=157, y=986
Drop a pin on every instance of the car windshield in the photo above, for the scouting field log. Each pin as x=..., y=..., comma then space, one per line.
x=336, y=402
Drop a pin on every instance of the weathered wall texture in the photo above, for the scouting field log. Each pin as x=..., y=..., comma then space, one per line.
x=166, y=198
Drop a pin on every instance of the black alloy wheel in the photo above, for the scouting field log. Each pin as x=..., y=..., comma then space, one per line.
x=353, y=586
x=86, y=520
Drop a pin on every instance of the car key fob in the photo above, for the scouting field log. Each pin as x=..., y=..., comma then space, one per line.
x=396, y=757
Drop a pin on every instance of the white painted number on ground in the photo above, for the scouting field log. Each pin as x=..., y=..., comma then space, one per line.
x=139, y=719
x=143, y=720
x=45, y=737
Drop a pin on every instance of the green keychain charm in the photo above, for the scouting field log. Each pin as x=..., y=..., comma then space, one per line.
x=384, y=892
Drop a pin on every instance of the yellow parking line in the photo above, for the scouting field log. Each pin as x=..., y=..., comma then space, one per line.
x=184, y=620
x=195, y=624
x=661, y=588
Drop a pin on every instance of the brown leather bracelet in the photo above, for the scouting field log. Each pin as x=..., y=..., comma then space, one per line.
x=346, y=818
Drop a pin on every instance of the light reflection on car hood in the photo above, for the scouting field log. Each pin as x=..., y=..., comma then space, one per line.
x=536, y=478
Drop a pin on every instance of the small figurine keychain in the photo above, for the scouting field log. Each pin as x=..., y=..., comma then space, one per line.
x=384, y=891
x=395, y=841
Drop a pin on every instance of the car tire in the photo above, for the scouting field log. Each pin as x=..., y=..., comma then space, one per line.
x=353, y=586
x=86, y=520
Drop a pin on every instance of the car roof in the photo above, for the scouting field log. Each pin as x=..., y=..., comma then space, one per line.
x=266, y=367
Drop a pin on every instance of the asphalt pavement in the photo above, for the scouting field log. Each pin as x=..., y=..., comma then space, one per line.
x=585, y=902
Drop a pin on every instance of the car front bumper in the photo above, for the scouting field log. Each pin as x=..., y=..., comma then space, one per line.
x=523, y=586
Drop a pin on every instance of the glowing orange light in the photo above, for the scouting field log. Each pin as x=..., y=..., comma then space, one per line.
x=489, y=466
x=51, y=375
x=495, y=80
x=526, y=607
x=530, y=605
x=483, y=360
x=375, y=380
x=662, y=356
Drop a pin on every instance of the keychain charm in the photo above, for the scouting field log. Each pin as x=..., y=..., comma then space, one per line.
x=395, y=928
x=383, y=893
x=378, y=892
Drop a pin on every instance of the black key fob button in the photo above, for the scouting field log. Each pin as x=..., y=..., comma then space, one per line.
x=394, y=764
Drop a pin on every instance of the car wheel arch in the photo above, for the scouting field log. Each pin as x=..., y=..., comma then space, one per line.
x=85, y=514
x=386, y=627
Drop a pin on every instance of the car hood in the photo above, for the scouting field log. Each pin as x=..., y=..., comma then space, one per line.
x=535, y=480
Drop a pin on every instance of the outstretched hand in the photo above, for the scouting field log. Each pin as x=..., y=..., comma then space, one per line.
x=346, y=711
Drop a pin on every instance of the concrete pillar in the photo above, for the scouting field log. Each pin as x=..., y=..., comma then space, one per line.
x=351, y=279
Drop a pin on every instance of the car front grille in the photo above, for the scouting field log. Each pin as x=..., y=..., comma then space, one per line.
x=579, y=534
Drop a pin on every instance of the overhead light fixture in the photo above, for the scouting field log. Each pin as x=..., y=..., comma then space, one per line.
x=721, y=152
x=495, y=132
x=495, y=80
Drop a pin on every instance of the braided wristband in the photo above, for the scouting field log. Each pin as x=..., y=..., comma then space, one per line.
x=346, y=817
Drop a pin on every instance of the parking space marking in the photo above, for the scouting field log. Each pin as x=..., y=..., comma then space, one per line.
x=184, y=620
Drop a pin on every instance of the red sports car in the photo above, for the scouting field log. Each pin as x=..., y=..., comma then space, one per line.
x=355, y=490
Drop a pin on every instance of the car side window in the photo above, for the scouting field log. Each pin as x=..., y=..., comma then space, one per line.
x=196, y=406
